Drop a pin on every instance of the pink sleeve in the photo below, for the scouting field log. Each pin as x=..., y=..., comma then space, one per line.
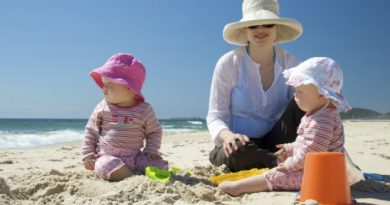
x=91, y=132
x=153, y=132
x=296, y=161
x=317, y=138
x=289, y=148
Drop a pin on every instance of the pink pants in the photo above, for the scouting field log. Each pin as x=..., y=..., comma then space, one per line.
x=111, y=159
x=286, y=181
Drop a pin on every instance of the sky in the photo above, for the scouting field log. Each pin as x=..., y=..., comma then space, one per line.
x=48, y=48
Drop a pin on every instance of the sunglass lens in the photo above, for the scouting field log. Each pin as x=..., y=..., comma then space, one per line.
x=264, y=26
x=268, y=25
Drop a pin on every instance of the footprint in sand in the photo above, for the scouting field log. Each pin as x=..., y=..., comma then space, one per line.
x=382, y=155
x=56, y=172
x=7, y=162
x=55, y=160
x=66, y=148
x=55, y=189
x=4, y=188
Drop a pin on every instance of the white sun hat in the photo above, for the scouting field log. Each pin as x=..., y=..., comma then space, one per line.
x=324, y=73
x=261, y=12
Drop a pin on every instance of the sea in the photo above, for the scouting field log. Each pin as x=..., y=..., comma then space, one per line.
x=27, y=133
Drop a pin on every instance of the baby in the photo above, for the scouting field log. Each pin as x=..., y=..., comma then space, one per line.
x=318, y=82
x=121, y=123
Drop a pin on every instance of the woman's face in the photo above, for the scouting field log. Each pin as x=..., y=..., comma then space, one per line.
x=262, y=35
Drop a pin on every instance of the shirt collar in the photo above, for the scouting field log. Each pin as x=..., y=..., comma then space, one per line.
x=278, y=67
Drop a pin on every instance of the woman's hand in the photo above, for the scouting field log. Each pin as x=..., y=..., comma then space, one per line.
x=230, y=141
x=89, y=162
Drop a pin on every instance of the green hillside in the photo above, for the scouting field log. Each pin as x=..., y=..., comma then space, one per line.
x=362, y=113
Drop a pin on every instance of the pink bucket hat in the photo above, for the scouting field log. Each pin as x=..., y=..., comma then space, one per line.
x=122, y=68
x=322, y=72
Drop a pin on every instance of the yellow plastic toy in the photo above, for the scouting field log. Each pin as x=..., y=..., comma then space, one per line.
x=234, y=176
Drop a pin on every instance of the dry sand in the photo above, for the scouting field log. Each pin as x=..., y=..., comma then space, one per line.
x=55, y=175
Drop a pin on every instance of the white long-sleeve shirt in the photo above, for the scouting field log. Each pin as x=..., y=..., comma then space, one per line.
x=238, y=101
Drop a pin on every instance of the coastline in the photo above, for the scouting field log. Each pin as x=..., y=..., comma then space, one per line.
x=54, y=173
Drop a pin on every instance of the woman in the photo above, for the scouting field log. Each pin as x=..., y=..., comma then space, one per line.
x=251, y=107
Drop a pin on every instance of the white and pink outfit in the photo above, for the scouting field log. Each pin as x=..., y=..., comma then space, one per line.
x=117, y=135
x=321, y=131
x=120, y=136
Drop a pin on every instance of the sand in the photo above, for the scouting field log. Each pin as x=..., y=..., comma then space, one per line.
x=55, y=174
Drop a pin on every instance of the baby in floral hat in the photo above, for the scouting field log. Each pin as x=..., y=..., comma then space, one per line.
x=318, y=82
x=114, y=139
x=321, y=74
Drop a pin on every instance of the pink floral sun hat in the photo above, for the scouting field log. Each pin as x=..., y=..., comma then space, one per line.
x=322, y=72
x=122, y=68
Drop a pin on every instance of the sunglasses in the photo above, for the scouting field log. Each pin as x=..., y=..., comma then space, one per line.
x=264, y=26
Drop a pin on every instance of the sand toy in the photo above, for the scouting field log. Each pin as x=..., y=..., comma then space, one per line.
x=325, y=179
x=161, y=175
x=234, y=176
x=157, y=174
x=177, y=170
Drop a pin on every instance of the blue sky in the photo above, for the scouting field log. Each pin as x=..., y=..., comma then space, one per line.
x=48, y=48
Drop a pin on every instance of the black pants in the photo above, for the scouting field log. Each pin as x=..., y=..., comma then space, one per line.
x=259, y=153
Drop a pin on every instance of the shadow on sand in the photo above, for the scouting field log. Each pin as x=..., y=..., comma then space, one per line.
x=371, y=188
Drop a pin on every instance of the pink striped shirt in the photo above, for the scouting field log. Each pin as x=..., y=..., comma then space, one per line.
x=321, y=131
x=122, y=127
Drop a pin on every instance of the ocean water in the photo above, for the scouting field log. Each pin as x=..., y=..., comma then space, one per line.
x=24, y=133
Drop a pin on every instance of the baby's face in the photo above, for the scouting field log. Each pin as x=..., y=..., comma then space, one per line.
x=117, y=93
x=308, y=98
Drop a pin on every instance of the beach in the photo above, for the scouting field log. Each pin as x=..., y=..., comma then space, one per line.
x=55, y=175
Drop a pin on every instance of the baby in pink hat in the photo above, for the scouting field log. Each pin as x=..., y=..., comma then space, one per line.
x=318, y=82
x=114, y=139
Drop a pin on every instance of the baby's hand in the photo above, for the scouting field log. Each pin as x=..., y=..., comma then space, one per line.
x=153, y=156
x=281, y=153
x=89, y=162
x=281, y=167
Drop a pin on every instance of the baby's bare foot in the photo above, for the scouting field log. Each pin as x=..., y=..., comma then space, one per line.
x=230, y=188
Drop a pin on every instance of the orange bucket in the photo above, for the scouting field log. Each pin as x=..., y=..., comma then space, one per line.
x=325, y=178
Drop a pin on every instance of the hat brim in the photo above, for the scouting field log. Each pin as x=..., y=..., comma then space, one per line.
x=97, y=77
x=295, y=80
x=288, y=30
